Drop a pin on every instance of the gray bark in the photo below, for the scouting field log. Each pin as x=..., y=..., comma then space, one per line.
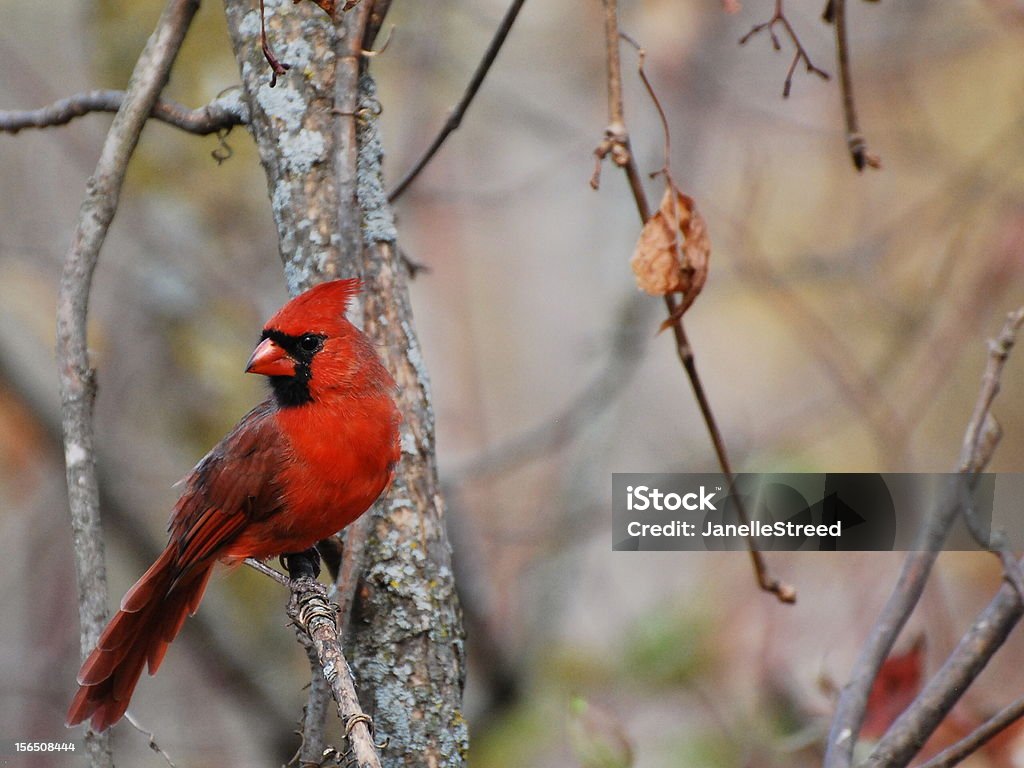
x=317, y=139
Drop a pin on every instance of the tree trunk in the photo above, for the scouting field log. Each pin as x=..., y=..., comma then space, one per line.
x=317, y=138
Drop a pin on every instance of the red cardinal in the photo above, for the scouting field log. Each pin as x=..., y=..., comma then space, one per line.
x=298, y=468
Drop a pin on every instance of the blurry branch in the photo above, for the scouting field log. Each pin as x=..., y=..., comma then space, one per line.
x=979, y=737
x=976, y=451
x=77, y=377
x=457, y=113
x=858, y=386
x=315, y=618
x=976, y=647
x=616, y=145
x=835, y=14
x=779, y=17
x=628, y=346
x=21, y=373
x=378, y=12
x=220, y=114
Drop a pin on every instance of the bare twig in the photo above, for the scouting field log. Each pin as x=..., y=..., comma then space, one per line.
x=913, y=727
x=150, y=737
x=266, y=570
x=315, y=616
x=998, y=351
x=77, y=378
x=276, y=67
x=314, y=714
x=222, y=113
x=862, y=158
x=459, y=111
x=979, y=737
x=378, y=12
x=351, y=570
x=616, y=145
x=348, y=65
x=800, y=54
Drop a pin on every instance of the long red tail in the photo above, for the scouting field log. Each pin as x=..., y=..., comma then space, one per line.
x=150, y=617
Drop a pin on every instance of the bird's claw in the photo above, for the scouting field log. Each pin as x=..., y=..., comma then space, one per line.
x=302, y=564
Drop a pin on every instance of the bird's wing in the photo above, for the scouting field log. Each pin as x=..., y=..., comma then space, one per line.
x=234, y=484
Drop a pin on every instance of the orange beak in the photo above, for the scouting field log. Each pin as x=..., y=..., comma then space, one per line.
x=269, y=359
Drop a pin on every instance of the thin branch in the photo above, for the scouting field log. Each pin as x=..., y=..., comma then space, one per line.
x=77, y=378
x=153, y=745
x=220, y=114
x=352, y=566
x=854, y=139
x=314, y=714
x=998, y=352
x=316, y=617
x=312, y=612
x=800, y=54
x=975, y=648
x=628, y=345
x=616, y=145
x=979, y=737
x=458, y=112
x=378, y=12
x=28, y=378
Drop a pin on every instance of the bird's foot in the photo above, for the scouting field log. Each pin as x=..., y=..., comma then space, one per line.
x=302, y=564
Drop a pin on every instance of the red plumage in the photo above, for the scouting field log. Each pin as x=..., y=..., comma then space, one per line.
x=299, y=467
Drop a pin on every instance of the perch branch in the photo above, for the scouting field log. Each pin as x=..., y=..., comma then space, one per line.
x=312, y=613
x=315, y=616
x=458, y=112
x=77, y=377
x=220, y=114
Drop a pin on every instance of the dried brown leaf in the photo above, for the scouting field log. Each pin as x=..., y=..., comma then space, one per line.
x=327, y=5
x=672, y=253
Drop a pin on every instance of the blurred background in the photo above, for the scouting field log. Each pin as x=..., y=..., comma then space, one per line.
x=843, y=327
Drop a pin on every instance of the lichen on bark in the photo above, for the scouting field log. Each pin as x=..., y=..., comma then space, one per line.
x=323, y=168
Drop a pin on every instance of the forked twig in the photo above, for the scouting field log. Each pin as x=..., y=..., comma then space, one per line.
x=800, y=53
x=918, y=721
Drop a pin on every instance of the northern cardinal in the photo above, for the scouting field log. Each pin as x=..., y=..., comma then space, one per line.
x=298, y=468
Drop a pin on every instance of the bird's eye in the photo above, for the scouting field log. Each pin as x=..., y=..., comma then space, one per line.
x=310, y=343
